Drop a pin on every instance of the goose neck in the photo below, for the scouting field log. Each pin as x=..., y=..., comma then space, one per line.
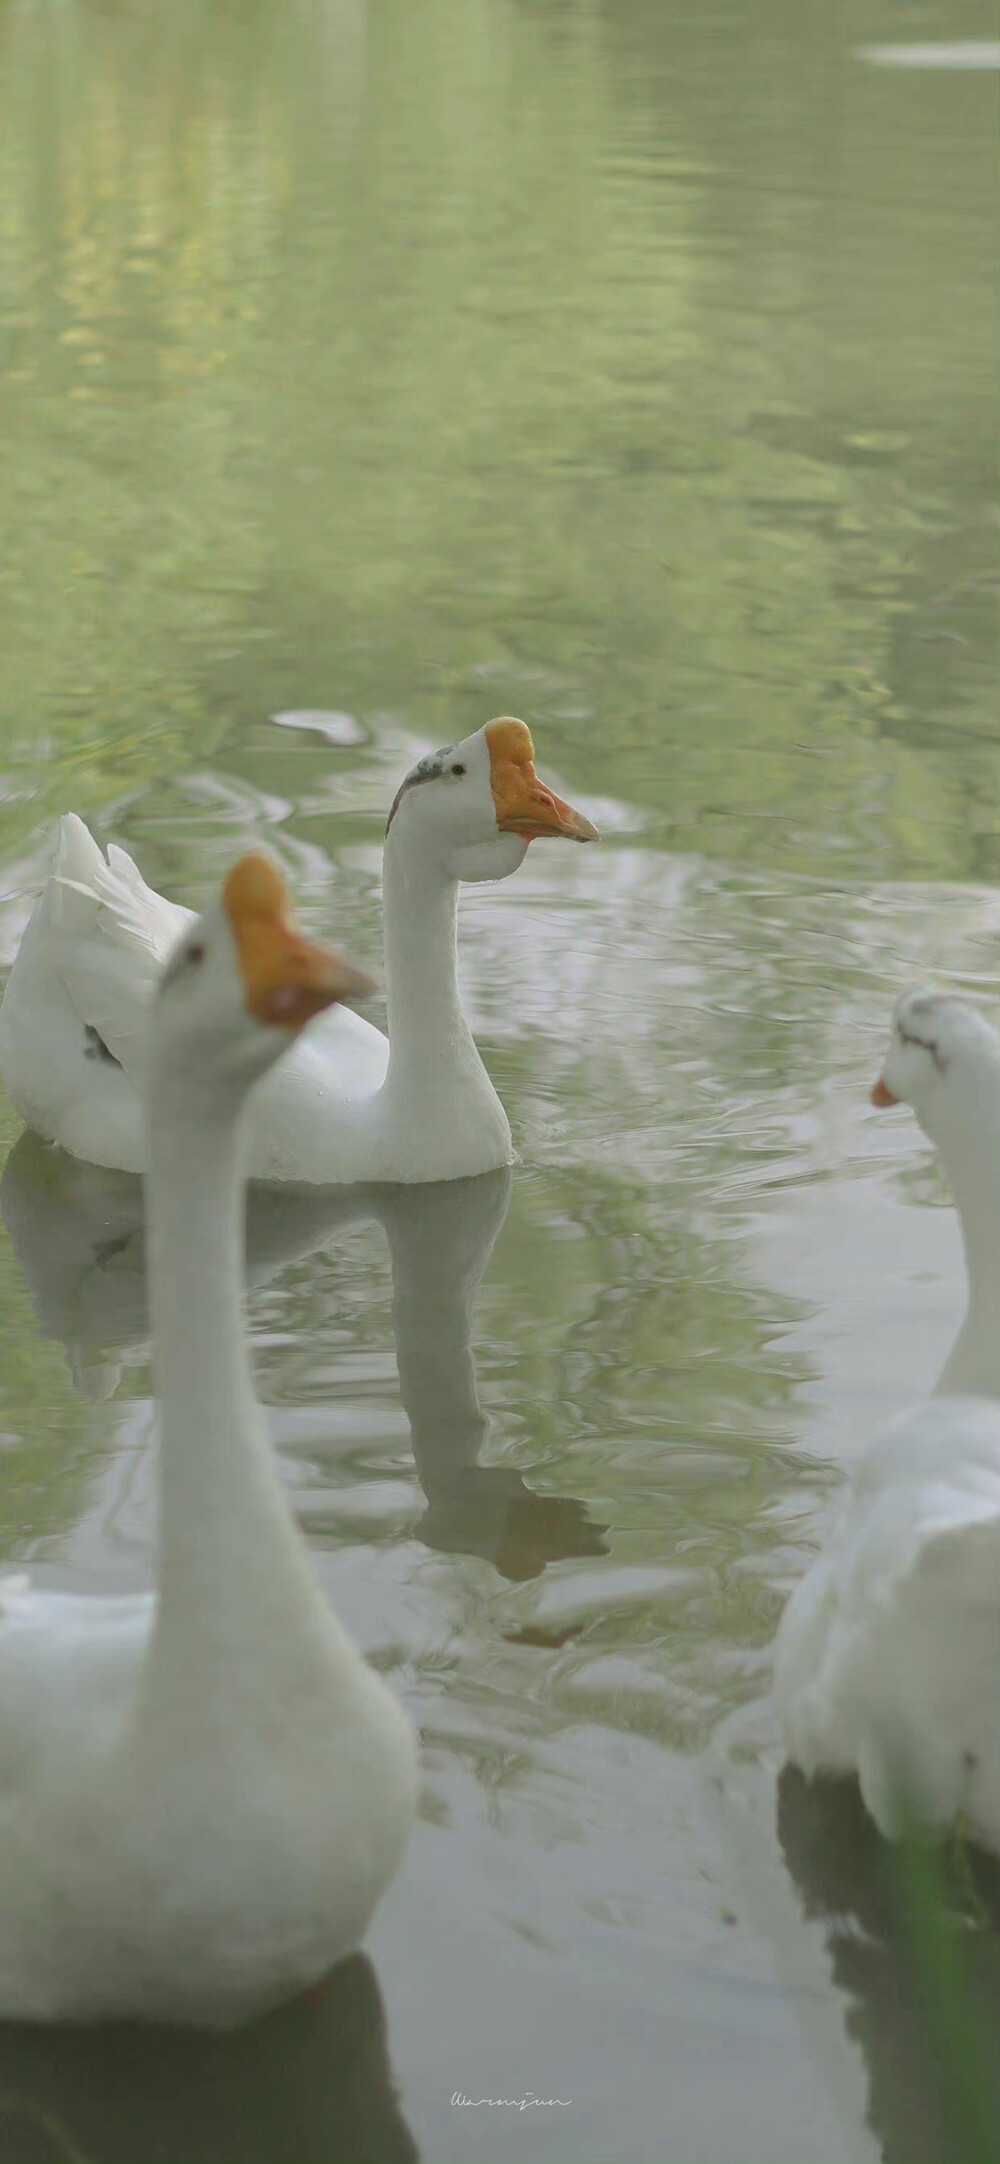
x=421, y=951
x=974, y=1174
x=235, y=1592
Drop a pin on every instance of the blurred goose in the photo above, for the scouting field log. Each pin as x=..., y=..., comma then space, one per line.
x=887, y=1660
x=347, y=1104
x=203, y=1792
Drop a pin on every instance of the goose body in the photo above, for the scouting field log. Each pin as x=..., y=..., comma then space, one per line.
x=200, y=1881
x=203, y=1791
x=887, y=1659
x=347, y=1103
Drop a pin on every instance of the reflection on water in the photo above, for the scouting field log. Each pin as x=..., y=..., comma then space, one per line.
x=933, y=2095
x=77, y=1232
x=631, y=367
x=312, y=2082
x=440, y=1240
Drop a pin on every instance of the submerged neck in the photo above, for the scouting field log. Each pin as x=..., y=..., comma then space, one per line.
x=971, y=1158
x=233, y=1576
x=440, y=1240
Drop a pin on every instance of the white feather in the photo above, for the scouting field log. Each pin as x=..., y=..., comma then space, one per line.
x=887, y=1661
x=74, y=1027
x=203, y=1791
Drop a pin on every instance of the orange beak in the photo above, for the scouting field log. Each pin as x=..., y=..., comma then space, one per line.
x=883, y=1096
x=288, y=979
x=523, y=804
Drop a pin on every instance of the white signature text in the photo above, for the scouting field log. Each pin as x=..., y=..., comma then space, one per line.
x=512, y=2103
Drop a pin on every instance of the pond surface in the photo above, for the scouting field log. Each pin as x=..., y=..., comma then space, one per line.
x=632, y=368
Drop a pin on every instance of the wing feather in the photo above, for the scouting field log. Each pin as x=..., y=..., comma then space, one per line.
x=111, y=936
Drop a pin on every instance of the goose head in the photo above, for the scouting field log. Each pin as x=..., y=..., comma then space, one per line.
x=242, y=983
x=472, y=808
x=943, y=1061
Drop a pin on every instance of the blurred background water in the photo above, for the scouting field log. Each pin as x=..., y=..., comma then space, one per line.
x=629, y=366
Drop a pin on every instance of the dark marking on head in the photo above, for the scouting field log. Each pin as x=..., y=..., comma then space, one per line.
x=429, y=768
x=189, y=953
x=927, y=1009
x=906, y=1036
x=95, y=1047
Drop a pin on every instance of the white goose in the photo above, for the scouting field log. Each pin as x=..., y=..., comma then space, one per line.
x=346, y=1104
x=887, y=1659
x=202, y=1792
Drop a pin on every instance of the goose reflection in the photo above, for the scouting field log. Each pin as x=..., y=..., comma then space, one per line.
x=77, y=1232
x=311, y=2081
x=914, y=1943
x=440, y=1241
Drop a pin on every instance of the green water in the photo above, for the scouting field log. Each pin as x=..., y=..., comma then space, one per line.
x=631, y=368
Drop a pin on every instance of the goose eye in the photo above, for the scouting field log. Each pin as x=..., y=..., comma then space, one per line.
x=458, y=768
x=195, y=953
